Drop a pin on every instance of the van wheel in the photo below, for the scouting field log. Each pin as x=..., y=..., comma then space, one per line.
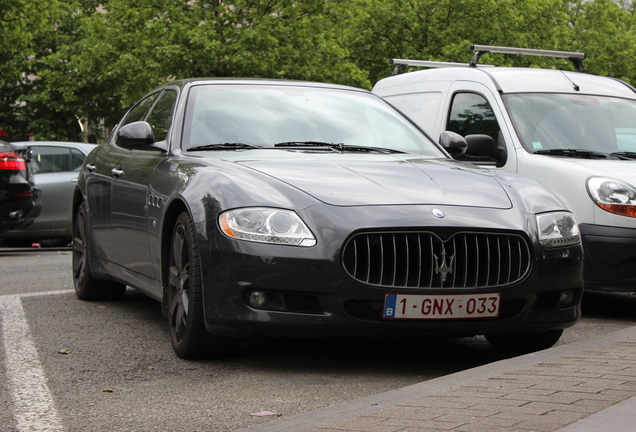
x=524, y=342
x=86, y=286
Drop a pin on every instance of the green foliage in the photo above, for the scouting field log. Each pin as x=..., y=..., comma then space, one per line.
x=134, y=47
x=443, y=30
x=607, y=33
x=65, y=60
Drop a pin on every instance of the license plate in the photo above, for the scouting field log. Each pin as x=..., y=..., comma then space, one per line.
x=444, y=306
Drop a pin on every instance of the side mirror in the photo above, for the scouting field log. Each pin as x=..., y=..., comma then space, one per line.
x=28, y=154
x=136, y=134
x=480, y=145
x=453, y=143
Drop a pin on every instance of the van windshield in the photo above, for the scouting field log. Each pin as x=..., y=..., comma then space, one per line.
x=573, y=122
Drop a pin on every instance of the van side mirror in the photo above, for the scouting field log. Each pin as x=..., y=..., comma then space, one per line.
x=481, y=145
x=135, y=134
x=453, y=143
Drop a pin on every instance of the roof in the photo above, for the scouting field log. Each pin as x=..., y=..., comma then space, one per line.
x=259, y=81
x=520, y=80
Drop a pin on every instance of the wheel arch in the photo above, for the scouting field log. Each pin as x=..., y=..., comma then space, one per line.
x=78, y=199
x=175, y=208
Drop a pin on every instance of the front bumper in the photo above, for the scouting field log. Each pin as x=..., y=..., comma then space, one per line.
x=610, y=258
x=310, y=295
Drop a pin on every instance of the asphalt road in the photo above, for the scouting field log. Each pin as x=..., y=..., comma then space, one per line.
x=69, y=365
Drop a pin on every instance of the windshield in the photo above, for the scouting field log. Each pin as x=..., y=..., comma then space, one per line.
x=574, y=122
x=266, y=115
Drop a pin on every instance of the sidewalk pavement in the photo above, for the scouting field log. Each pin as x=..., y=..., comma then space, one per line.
x=585, y=386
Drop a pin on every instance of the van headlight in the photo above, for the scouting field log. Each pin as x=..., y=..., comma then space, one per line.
x=266, y=225
x=558, y=229
x=613, y=195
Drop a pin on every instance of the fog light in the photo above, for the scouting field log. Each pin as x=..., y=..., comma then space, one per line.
x=566, y=298
x=257, y=298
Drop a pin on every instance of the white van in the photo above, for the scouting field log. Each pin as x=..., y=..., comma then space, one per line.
x=572, y=132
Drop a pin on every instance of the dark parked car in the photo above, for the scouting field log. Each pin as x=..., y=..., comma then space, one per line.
x=19, y=198
x=255, y=207
x=56, y=166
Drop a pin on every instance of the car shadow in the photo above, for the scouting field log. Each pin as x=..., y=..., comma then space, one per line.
x=406, y=356
x=618, y=306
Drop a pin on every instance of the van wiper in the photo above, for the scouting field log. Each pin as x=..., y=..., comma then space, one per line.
x=575, y=153
x=337, y=147
x=225, y=146
x=625, y=155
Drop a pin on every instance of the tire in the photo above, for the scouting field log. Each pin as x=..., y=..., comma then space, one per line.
x=86, y=286
x=190, y=339
x=524, y=342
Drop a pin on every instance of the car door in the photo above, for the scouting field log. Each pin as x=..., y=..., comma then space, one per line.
x=102, y=170
x=473, y=109
x=129, y=216
x=56, y=169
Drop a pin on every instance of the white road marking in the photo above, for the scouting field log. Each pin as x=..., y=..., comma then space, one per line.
x=35, y=410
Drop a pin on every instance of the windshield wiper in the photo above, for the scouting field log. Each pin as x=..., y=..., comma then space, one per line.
x=337, y=147
x=585, y=154
x=625, y=155
x=225, y=146
x=308, y=144
x=353, y=148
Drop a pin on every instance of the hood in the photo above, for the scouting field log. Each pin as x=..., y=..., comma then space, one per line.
x=619, y=169
x=349, y=179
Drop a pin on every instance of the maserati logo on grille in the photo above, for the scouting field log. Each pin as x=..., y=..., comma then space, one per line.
x=438, y=213
x=443, y=268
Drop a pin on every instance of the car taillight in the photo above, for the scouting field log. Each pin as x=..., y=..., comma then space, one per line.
x=11, y=161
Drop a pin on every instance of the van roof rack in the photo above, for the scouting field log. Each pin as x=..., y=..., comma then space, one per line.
x=400, y=63
x=575, y=57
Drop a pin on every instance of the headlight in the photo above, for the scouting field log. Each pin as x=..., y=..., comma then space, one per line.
x=266, y=225
x=557, y=229
x=613, y=195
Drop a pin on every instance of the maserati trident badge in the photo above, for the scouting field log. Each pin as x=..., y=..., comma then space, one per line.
x=444, y=269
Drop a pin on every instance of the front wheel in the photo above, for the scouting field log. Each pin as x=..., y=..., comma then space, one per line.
x=524, y=342
x=190, y=339
x=86, y=286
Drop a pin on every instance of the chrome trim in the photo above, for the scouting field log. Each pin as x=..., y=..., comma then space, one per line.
x=408, y=259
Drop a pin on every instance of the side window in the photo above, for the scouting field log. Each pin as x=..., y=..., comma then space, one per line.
x=160, y=117
x=139, y=111
x=51, y=159
x=471, y=114
x=77, y=158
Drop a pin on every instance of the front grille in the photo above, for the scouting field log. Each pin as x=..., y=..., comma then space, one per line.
x=423, y=260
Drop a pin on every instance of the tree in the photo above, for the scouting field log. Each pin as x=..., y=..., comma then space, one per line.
x=66, y=60
x=131, y=47
x=443, y=30
x=21, y=22
x=606, y=31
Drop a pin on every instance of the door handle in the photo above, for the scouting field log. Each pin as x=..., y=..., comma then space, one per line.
x=90, y=167
x=117, y=172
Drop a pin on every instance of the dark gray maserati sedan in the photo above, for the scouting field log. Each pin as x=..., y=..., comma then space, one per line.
x=298, y=209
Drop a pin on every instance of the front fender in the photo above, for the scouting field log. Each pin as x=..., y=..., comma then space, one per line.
x=529, y=194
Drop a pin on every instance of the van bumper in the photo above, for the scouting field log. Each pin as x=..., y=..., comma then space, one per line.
x=610, y=258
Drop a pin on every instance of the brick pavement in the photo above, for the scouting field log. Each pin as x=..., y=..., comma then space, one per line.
x=542, y=392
